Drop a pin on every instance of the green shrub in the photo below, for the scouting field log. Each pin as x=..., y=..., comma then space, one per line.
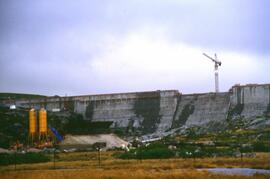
x=199, y=150
x=261, y=147
x=153, y=151
x=8, y=159
x=119, y=131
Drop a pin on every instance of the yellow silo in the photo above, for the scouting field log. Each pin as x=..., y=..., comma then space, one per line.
x=32, y=122
x=42, y=122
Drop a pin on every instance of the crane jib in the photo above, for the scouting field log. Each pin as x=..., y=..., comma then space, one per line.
x=217, y=63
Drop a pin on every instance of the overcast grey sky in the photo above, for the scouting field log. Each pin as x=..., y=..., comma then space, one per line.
x=77, y=47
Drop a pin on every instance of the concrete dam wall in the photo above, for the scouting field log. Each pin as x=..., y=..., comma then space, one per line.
x=159, y=111
x=253, y=100
x=201, y=109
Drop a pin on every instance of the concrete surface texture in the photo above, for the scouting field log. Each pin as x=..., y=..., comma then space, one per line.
x=161, y=111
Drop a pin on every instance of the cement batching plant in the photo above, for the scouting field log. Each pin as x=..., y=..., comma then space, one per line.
x=38, y=130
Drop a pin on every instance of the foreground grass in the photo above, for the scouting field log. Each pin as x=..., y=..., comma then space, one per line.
x=85, y=165
x=122, y=173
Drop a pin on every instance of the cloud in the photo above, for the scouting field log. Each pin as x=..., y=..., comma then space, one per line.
x=146, y=59
x=88, y=47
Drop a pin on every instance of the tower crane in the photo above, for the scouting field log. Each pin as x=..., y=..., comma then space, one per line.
x=217, y=63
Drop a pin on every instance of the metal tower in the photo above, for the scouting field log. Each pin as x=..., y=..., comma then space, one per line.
x=217, y=63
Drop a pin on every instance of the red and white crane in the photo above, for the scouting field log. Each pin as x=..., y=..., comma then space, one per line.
x=217, y=64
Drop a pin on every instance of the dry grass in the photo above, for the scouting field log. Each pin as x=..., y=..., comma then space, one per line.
x=116, y=168
x=100, y=173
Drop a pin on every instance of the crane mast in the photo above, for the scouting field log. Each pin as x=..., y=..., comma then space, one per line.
x=217, y=64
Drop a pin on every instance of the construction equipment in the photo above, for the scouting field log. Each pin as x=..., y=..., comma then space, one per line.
x=32, y=125
x=43, y=129
x=56, y=134
x=217, y=63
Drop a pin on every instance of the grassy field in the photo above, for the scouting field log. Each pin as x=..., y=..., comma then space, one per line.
x=85, y=165
x=123, y=173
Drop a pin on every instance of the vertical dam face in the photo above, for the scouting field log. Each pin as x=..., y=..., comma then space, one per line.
x=254, y=100
x=159, y=111
x=201, y=109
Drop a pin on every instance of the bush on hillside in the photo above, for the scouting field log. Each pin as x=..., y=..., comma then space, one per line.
x=153, y=151
x=19, y=158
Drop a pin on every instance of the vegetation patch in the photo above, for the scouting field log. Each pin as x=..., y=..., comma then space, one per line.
x=121, y=132
x=230, y=143
x=153, y=151
x=198, y=150
x=180, y=149
x=19, y=158
x=13, y=127
x=261, y=147
x=147, y=105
